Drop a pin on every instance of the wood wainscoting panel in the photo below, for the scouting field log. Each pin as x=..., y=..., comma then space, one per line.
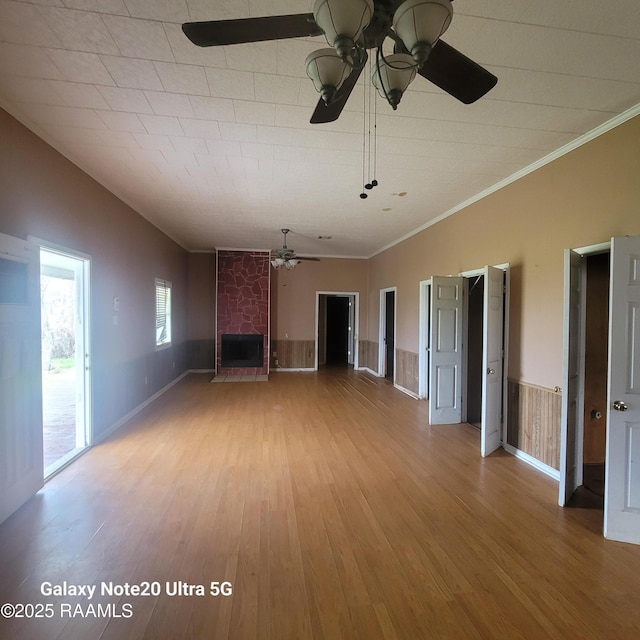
x=407, y=370
x=293, y=354
x=534, y=415
x=368, y=354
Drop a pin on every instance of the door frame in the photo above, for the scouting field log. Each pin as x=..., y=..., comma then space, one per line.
x=575, y=430
x=424, y=347
x=382, y=329
x=354, y=337
x=86, y=381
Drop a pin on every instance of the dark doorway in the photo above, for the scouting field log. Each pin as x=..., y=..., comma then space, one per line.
x=475, y=326
x=337, y=344
x=389, y=333
x=595, y=372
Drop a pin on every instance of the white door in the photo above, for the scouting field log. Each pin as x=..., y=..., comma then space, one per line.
x=492, y=360
x=445, y=380
x=622, y=470
x=573, y=377
x=21, y=466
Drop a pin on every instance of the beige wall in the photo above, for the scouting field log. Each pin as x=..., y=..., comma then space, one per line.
x=293, y=294
x=583, y=198
x=44, y=195
x=202, y=296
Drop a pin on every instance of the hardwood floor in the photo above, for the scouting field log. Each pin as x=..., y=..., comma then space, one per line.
x=334, y=512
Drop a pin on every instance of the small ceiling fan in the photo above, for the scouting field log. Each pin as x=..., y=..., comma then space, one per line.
x=353, y=26
x=286, y=257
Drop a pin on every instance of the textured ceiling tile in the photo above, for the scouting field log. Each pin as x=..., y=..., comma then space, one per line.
x=183, y=78
x=219, y=10
x=33, y=90
x=254, y=112
x=224, y=83
x=13, y=15
x=79, y=30
x=132, y=100
x=76, y=94
x=115, y=7
x=170, y=104
x=164, y=10
x=213, y=108
x=120, y=121
x=132, y=73
x=226, y=148
x=238, y=132
x=200, y=128
x=191, y=145
x=139, y=38
x=153, y=141
x=279, y=89
x=67, y=117
x=260, y=57
x=78, y=66
x=21, y=60
x=164, y=125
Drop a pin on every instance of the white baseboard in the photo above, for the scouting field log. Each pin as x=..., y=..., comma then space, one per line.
x=291, y=370
x=409, y=393
x=371, y=371
x=525, y=457
x=201, y=371
x=116, y=425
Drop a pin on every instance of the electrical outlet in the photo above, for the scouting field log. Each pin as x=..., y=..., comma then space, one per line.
x=275, y=353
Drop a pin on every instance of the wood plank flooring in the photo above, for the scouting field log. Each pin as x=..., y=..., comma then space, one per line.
x=332, y=509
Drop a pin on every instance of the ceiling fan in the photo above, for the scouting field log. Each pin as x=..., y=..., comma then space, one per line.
x=286, y=257
x=353, y=26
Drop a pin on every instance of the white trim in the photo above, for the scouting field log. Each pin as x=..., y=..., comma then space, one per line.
x=86, y=366
x=371, y=371
x=534, y=462
x=291, y=370
x=593, y=249
x=122, y=421
x=423, y=324
x=407, y=391
x=356, y=322
x=554, y=155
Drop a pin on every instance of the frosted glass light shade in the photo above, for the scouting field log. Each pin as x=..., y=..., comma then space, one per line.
x=392, y=76
x=419, y=24
x=342, y=20
x=328, y=71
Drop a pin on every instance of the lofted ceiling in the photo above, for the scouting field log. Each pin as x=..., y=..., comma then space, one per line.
x=214, y=145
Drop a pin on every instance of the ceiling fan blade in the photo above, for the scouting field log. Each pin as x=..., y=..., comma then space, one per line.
x=456, y=74
x=219, y=32
x=303, y=258
x=330, y=112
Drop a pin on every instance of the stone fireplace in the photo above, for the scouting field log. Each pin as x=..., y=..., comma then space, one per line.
x=242, y=337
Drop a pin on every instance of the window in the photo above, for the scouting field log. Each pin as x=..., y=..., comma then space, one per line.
x=163, y=313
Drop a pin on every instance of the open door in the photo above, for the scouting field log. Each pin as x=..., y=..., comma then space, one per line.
x=572, y=403
x=492, y=359
x=445, y=379
x=622, y=467
x=21, y=465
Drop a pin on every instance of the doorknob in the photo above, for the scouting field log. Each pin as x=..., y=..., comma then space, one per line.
x=491, y=371
x=618, y=405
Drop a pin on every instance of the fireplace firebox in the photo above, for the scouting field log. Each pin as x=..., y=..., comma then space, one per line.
x=242, y=350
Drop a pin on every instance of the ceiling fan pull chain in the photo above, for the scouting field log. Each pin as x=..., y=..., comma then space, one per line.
x=374, y=182
x=363, y=194
x=368, y=86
